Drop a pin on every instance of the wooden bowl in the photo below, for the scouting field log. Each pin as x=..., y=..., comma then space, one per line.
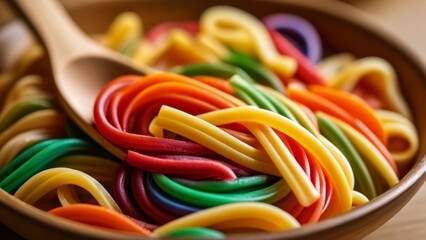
x=342, y=28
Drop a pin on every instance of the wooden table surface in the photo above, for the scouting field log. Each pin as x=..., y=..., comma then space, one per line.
x=403, y=17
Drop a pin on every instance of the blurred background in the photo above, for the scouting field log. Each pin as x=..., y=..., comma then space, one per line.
x=405, y=19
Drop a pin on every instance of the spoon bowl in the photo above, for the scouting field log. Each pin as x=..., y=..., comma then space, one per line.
x=78, y=85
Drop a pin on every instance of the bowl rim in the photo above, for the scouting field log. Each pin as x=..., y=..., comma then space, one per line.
x=337, y=10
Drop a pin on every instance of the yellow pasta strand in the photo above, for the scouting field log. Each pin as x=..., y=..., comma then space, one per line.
x=217, y=140
x=380, y=75
x=288, y=166
x=49, y=118
x=29, y=87
x=399, y=127
x=48, y=180
x=7, y=79
x=358, y=199
x=274, y=218
x=363, y=145
x=213, y=45
x=244, y=32
x=147, y=53
x=280, y=123
x=67, y=195
x=155, y=129
x=183, y=43
x=124, y=33
x=178, y=48
x=19, y=142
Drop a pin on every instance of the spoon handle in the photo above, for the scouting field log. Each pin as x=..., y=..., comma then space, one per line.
x=57, y=31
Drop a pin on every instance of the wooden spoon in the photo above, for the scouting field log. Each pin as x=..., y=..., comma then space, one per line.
x=80, y=66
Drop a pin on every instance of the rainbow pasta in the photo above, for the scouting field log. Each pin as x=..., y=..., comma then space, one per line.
x=239, y=126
